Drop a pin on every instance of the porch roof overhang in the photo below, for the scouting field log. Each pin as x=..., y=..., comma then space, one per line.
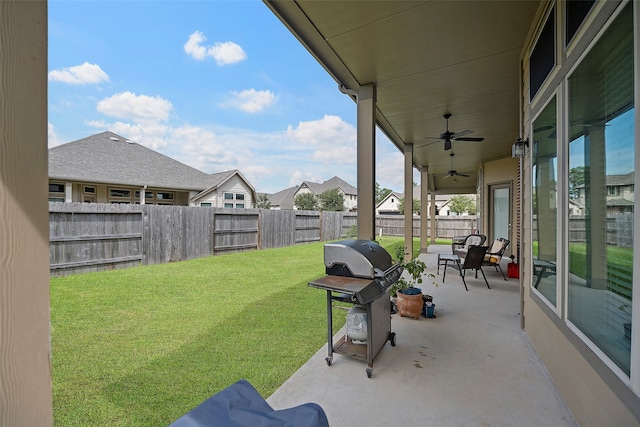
x=426, y=58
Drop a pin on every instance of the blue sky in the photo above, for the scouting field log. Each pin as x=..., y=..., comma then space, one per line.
x=217, y=85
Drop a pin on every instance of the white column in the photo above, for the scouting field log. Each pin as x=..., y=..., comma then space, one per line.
x=408, y=200
x=424, y=187
x=366, y=157
x=68, y=192
x=432, y=209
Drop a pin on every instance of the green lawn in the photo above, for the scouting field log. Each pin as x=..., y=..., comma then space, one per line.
x=619, y=266
x=143, y=346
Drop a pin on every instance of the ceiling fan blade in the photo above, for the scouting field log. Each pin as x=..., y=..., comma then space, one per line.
x=476, y=139
x=447, y=176
x=461, y=133
x=425, y=144
x=462, y=174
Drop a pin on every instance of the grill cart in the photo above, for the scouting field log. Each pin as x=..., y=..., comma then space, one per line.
x=359, y=272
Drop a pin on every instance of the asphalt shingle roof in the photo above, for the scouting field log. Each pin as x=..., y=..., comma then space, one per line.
x=283, y=198
x=334, y=182
x=112, y=159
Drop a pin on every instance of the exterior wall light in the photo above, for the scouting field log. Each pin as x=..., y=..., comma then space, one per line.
x=518, y=150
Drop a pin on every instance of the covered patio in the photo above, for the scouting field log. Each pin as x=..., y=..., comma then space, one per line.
x=470, y=366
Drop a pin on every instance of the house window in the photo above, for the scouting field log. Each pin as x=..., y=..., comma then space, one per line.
x=56, y=192
x=206, y=204
x=163, y=195
x=240, y=205
x=239, y=196
x=545, y=202
x=601, y=135
x=148, y=195
x=543, y=56
x=119, y=192
x=56, y=188
x=88, y=190
x=613, y=191
x=228, y=196
x=575, y=13
x=228, y=205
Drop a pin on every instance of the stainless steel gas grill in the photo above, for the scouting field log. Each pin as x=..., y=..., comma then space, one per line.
x=359, y=272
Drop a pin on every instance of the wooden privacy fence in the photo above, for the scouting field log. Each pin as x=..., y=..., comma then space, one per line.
x=85, y=237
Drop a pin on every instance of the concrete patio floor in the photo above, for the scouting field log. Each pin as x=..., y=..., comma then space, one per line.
x=472, y=365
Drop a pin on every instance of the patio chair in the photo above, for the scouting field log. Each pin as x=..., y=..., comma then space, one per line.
x=460, y=248
x=473, y=261
x=495, y=253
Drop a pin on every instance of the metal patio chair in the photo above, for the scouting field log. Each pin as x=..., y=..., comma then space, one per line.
x=473, y=261
x=460, y=248
x=495, y=253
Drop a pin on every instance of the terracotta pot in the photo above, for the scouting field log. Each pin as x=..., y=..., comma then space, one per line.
x=409, y=305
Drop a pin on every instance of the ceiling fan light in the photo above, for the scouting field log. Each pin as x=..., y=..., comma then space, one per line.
x=447, y=145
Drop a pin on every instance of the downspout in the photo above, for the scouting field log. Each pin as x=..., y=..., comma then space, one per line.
x=520, y=200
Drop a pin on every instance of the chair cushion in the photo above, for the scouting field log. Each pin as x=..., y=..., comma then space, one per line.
x=475, y=240
x=493, y=259
x=497, y=245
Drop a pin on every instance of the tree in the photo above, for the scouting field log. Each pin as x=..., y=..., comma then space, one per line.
x=306, y=202
x=381, y=193
x=331, y=200
x=262, y=201
x=462, y=204
x=576, y=179
x=415, y=209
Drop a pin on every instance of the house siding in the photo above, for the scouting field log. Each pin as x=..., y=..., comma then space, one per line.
x=233, y=185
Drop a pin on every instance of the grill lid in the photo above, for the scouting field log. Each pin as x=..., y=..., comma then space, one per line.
x=357, y=258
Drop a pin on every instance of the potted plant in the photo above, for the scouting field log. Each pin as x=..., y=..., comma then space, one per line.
x=409, y=297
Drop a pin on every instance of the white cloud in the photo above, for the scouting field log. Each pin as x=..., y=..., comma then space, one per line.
x=53, y=139
x=390, y=170
x=135, y=107
x=340, y=154
x=298, y=176
x=251, y=100
x=271, y=161
x=332, y=139
x=79, y=74
x=326, y=132
x=151, y=135
x=224, y=53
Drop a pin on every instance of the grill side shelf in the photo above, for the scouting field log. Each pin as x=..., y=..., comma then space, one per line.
x=361, y=289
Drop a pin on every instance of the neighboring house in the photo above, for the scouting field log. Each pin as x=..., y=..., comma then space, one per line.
x=349, y=192
x=390, y=205
x=282, y=199
x=620, y=194
x=108, y=168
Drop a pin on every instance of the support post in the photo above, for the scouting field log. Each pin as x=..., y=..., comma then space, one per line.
x=366, y=157
x=408, y=200
x=424, y=187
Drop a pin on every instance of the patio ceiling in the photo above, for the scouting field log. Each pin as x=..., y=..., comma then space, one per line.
x=426, y=58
